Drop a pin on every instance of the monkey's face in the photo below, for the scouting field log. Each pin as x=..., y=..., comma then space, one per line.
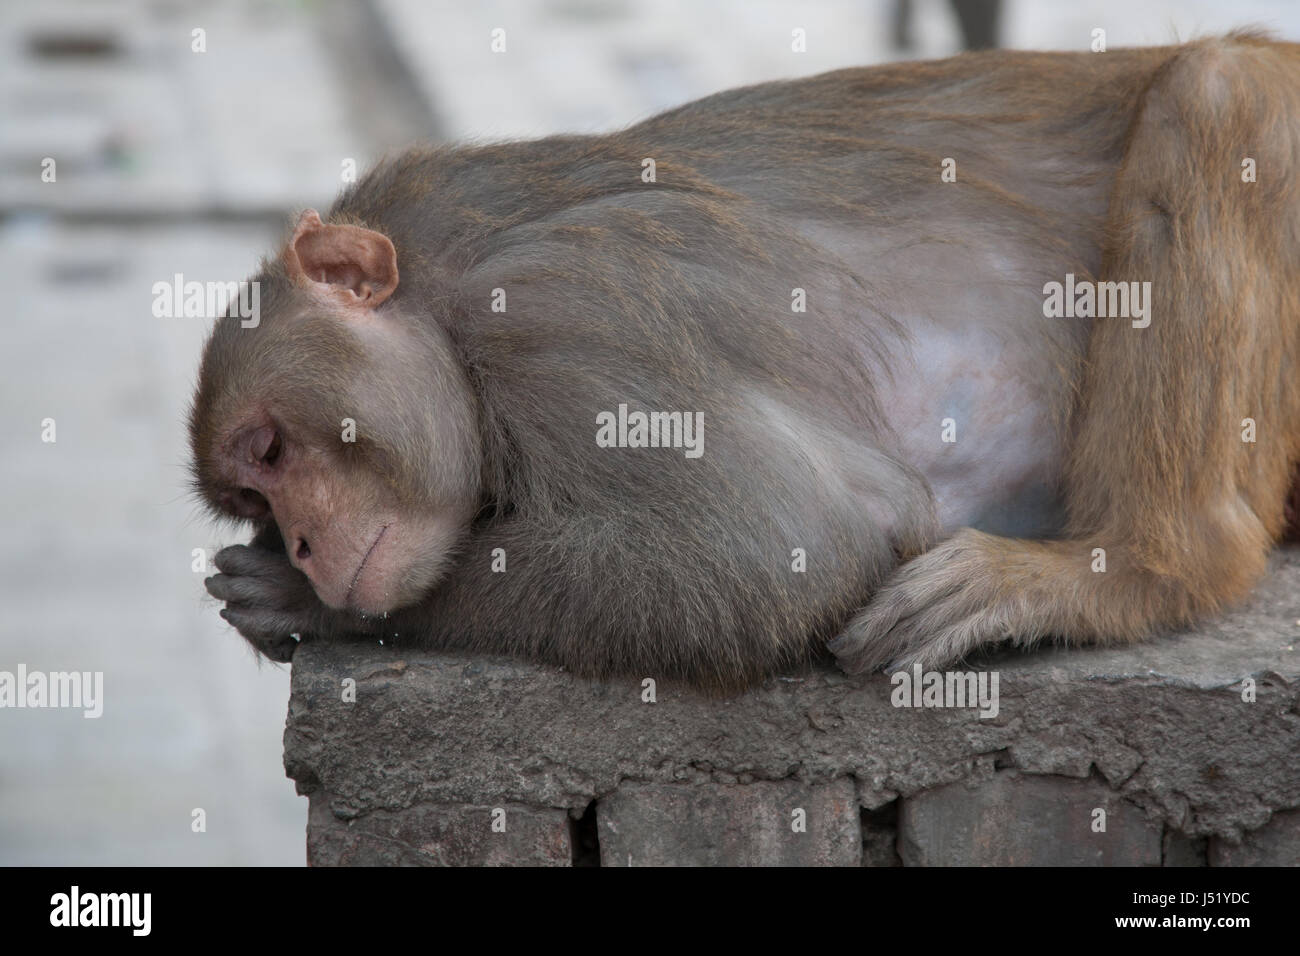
x=351, y=427
x=345, y=522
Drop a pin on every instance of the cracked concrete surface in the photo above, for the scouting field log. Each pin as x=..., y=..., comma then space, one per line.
x=1162, y=725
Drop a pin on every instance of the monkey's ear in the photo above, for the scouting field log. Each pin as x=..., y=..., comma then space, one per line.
x=354, y=265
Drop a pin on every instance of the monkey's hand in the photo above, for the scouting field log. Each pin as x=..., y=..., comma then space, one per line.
x=937, y=608
x=268, y=600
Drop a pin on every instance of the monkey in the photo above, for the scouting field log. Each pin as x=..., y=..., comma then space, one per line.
x=905, y=456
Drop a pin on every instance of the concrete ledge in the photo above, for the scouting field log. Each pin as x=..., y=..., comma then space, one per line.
x=1151, y=755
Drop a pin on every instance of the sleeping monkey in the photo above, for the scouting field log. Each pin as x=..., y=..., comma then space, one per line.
x=999, y=348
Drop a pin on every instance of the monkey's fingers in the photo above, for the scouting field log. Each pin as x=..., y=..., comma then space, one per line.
x=934, y=611
x=242, y=559
x=937, y=636
x=245, y=591
x=944, y=645
x=268, y=631
x=880, y=631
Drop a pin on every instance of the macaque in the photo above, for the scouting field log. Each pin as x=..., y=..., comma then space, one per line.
x=876, y=423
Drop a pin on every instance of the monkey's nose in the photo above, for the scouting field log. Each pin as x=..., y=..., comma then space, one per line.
x=303, y=550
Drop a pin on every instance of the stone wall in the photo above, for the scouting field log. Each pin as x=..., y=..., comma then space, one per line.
x=1184, y=751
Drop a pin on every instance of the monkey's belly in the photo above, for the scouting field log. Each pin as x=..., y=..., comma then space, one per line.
x=978, y=387
x=981, y=416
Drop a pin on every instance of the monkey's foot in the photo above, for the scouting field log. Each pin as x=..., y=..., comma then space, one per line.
x=268, y=600
x=936, y=609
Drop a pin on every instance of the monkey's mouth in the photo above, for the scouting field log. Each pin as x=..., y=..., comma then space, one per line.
x=347, y=599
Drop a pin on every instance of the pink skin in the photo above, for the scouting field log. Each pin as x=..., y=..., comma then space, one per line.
x=356, y=577
x=332, y=531
x=360, y=549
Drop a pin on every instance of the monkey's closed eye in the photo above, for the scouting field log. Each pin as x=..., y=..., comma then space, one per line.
x=266, y=446
x=273, y=453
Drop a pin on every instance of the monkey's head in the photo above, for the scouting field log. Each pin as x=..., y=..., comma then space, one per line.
x=341, y=415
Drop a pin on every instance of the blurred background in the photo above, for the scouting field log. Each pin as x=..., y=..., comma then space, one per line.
x=174, y=159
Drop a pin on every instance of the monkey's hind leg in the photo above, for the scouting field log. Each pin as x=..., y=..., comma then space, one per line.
x=1187, y=428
